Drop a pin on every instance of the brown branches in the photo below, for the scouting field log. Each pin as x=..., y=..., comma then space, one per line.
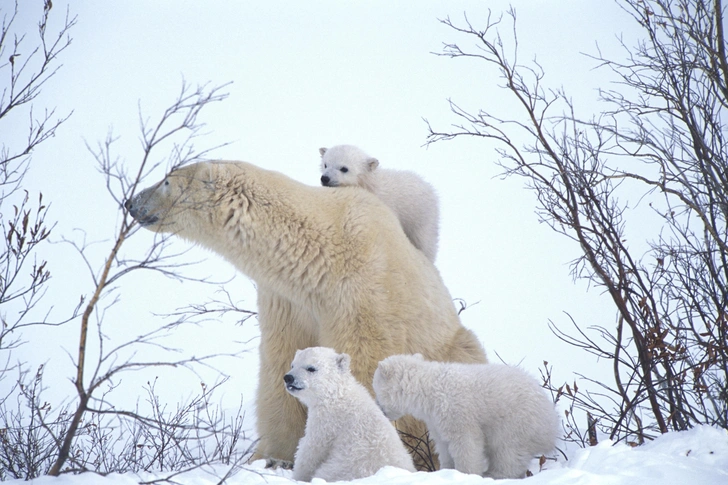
x=38, y=437
x=151, y=437
x=177, y=125
x=668, y=349
x=25, y=66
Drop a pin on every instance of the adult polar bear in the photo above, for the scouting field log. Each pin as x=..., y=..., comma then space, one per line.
x=333, y=268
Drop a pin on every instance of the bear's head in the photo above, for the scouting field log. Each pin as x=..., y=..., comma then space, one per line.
x=316, y=374
x=173, y=204
x=345, y=165
x=391, y=384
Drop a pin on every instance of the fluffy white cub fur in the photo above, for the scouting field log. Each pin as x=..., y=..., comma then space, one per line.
x=346, y=436
x=406, y=193
x=487, y=419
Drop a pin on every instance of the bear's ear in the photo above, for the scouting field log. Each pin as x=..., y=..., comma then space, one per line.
x=322, y=151
x=342, y=362
x=372, y=163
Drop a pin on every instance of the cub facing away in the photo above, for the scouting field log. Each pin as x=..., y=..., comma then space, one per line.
x=486, y=419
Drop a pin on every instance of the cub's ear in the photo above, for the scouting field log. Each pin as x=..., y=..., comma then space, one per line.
x=372, y=163
x=343, y=362
x=322, y=151
x=384, y=370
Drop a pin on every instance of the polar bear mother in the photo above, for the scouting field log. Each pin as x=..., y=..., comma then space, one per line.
x=333, y=268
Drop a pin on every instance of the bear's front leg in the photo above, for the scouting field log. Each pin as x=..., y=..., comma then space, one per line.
x=442, y=447
x=467, y=448
x=280, y=418
x=355, y=331
x=313, y=449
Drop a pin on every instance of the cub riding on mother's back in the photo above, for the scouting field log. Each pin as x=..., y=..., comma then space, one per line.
x=413, y=200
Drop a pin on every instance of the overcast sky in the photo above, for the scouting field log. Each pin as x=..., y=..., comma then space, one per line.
x=306, y=75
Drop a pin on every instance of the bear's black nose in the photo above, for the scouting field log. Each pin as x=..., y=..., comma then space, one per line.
x=325, y=180
x=288, y=378
x=127, y=204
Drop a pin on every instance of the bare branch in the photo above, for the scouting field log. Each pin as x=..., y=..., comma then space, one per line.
x=663, y=140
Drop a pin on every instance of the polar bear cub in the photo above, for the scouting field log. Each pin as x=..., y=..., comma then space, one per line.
x=346, y=436
x=487, y=419
x=406, y=193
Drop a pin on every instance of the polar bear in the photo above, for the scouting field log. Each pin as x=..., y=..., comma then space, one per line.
x=406, y=193
x=487, y=419
x=347, y=436
x=333, y=268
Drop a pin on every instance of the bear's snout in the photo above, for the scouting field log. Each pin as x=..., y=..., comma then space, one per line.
x=136, y=210
x=325, y=180
x=132, y=208
x=290, y=381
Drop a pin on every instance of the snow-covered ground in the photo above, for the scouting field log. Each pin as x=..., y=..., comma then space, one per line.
x=695, y=457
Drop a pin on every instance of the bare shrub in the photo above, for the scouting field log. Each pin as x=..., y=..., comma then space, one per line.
x=89, y=432
x=152, y=437
x=664, y=122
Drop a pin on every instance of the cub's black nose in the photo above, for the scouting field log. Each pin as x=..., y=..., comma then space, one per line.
x=288, y=378
x=127, y=204
x=325, y=180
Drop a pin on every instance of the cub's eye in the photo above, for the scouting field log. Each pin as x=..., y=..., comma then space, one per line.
x=326, y=166
x=344, y=169
x=311, y=369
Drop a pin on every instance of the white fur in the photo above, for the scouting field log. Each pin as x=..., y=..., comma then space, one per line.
x=333, y=268
x=486, y=419
x=347, y=436
x=406, y=193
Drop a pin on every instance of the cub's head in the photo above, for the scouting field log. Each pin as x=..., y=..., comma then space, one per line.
x=315, y=373
x=343, y=165
x=392, y=384
x=172, y=204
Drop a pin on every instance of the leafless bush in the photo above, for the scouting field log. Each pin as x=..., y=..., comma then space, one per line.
x=149, y=438
x=422, y=450
x=89, y=431
x=668, y=347
x=25, y=66
x=176, y=130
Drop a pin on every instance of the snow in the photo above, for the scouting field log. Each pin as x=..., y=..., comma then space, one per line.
x=697, y=457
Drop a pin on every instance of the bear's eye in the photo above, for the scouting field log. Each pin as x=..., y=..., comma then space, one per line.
x=311, y=369
x=344, y=169
x=326, y=166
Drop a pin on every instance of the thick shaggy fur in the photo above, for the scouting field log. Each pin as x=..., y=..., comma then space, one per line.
x=332, y=266
x=406, y=193
x=347, y=436
x=484, y=418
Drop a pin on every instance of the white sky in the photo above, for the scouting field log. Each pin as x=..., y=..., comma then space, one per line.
x=306, y=75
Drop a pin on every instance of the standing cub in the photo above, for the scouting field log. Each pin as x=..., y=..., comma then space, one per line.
x=346, y=436
x=487, y=419
x=406, y=193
